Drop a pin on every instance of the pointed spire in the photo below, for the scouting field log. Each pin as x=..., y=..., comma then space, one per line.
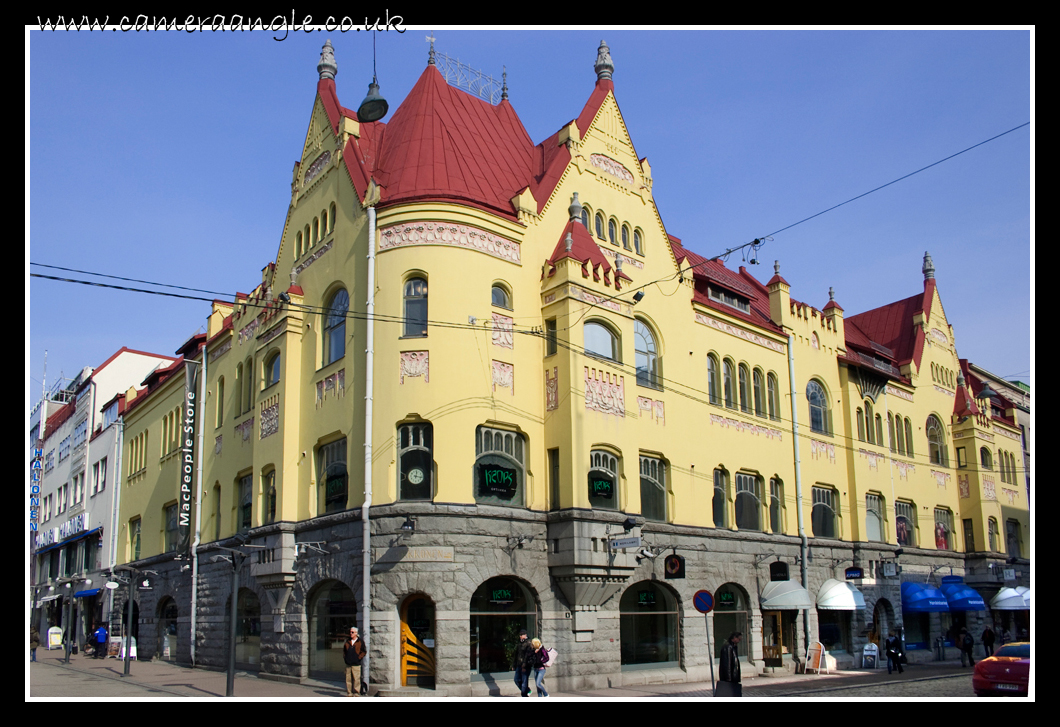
x=327, y=68
x=430, y=55
x=929, y=267
x=604, y=67
x=575, y=208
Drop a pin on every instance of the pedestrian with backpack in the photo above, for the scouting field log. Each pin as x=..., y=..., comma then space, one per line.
x=966, y=645
x=540, y=660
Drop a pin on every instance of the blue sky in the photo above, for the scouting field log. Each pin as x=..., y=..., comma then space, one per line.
x=167, y=157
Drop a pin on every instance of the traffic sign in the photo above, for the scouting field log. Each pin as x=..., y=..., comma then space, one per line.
x=620, y=543
x=703, y=601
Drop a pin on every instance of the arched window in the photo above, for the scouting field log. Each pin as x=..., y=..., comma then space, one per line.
x=776, y=506
x=721, y=498
x=600, y=225
x=248, y=628
x=868, y=423
x=823, y=515
x=415, y=461
x=316, y=230
x=647, y=356
x=874, y=518
x=298, y=245
x=731, y=612
x=585, y=217
x=306, y=238
x=612, y=230
x=905, y=523
x=908, y=437
x=331, y=473
x=248, y=385
x=748, y=502
x=272, y=370
x=818, y=401
x=416, y=308
x=879, y=431
x=500, y=608
x=168, y=613
x=335, y=326
x=861, y=424
x=759, y=389
x=653, y=489
x=603, y=480
x=332, y=611
x=890, y=431
x=729, y=384
x=331, y=218
x=500, y=467
x=713, y=384
x=648, y=625
x=745, y=385
x=600, y=341
x=500, y=298
x=987, y=461
x=991, y=533
x=220, y=401
x=936, y=441
x=625, y=237
x=268, y=497
x=899, y=433
x=773, y=392
x=638, y=245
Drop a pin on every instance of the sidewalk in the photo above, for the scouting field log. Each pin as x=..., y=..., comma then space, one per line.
x=172, y=680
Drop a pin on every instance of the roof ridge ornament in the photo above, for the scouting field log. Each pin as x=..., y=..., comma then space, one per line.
x=575, y=208
x=603, y=67
x=504, y=85
x=776, y=267
x=929, y=267
x=327, y=67
x=568, y=242
x=430, y=55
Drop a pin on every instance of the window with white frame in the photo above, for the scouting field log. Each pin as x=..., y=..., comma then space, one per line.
x=823, y=516
x=936, y=441
x=500, y=467
x=64, y=449
x=652, y=489
x=601, y=341
x=78, y=488
x=874, y=518
x=80, y=433
x=647, y=356
x=748, y=502
x=991, y=534
x=603, y=480
x=905, y=523
x=819, y=414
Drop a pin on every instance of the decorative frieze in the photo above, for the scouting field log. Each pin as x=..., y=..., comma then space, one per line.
x=552, y=389
x=652, y=409
x=220, y=350
x=904, y=468
x=502, y=331
x=335, y=385
x=739, y=333
x=822, y=449
x=626, y=259
x=318, y=165
x=314, y=257
x=217, y=445
x=605, y=392
x=612, y=167
x=939, y=337
x=899, y=393
x=414, y=363
x=244, y=429
x=248, y=331
x=741, y=426
x=270, y=334
x=1010, y=495
x=586, y=297
x=504, y=376
x=872, y=457
x=941, y=478
x=270, y=416
x=963, y=490
x=439, y=233
x=989, y=493
x=1005, y=433
x=941, y=390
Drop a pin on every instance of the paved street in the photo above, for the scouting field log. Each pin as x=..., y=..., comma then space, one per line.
x=88, y=678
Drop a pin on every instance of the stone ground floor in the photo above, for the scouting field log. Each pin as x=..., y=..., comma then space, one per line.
x=452, y=589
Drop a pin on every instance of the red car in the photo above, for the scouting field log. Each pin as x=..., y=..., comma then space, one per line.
x=1004, y=673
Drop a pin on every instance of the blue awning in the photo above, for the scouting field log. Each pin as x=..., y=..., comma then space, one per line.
x=922, y=598
x=962, y=597
x=71, y=539
x=90, y=592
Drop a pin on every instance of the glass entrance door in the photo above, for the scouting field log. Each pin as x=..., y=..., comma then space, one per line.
x=417, y=642
x=778, y=636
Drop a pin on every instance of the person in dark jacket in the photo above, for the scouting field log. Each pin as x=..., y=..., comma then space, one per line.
x=988, y=640
x=101, y=641
x=966, y=644
x=352, y=653
x=893, y=647
x=729, y=668
x=522, y=666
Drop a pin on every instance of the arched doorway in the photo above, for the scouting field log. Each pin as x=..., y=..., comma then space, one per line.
x=332, y=611
x=731, y=607
x=248, y=629
x=417, y=642
x=649, y=626
x=882, y=623
x=167, y=629
x=500, y=608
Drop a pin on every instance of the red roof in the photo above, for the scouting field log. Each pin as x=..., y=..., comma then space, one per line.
x=585, y=250
x=892, y=326
x=56, y=420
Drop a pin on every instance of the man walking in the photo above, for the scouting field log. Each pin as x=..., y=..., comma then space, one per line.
x=729, y=668
x=352, y=653
x=988, y=640
x=893, y=647
x=101, y=641
x=522, y=666
x=966, y=646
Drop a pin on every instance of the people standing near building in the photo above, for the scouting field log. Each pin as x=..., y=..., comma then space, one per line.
x=538, y=660
x=966, y=644
x=34, y=642
x=1005, y=636
x=352, y=653
x=729, y=684
x=523, y=652
x=893, y=648
x=101, y=641
x=988, y=640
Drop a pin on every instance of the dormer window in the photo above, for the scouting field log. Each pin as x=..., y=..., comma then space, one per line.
x=730, y=299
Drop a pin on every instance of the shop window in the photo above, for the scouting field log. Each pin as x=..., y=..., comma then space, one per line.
x=600, y=341
x=248, y=628
x=721, y=498
x=776, y=506
x=647, y=356
x=943, y=529
x=416, y=461
x=603, y=480
x=500, y=467
x=500, y=608
x=648, y=626
x=653, y=489
x=335, y=326
x=819, y=414
x=833, y=629
x=333, y=478
x=168, y=613
x=332, y=611
x=748, y=502
x=874, y=518
x=731, y=611
x=245, y=513
x=824, y=513
x=416, y=308
x=905, y=523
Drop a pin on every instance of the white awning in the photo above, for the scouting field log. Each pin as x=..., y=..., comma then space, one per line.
x=785, y=595
x=839, y=596
x=1009, y=599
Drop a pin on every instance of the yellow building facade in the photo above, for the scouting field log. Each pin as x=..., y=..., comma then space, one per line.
x=563, y=398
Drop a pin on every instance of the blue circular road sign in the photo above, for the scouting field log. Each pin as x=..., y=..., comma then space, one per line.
x=703, y=601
